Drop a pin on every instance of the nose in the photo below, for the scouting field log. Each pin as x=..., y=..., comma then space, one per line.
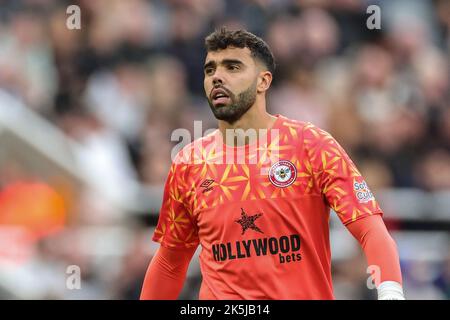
x=217, y=78
x=217, y=81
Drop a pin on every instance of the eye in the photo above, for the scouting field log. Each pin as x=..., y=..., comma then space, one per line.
x=209, y=71
x=233, y=67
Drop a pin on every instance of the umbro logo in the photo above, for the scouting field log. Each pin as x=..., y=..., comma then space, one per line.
x=206, y=185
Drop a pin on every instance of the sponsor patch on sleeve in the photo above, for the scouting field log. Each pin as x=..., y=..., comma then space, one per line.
x=362, y=192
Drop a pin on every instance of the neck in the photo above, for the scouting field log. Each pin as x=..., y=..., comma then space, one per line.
x=255, y=118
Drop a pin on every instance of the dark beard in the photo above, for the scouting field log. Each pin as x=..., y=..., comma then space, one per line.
x=238, y=107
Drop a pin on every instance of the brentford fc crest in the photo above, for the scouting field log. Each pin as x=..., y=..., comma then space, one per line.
x=282, y=174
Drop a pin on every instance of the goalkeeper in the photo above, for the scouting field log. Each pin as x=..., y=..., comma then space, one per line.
x=262, y=218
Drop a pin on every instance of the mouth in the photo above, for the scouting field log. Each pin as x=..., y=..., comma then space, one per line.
x=219, y=97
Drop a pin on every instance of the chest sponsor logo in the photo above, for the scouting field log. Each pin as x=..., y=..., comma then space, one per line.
x=286, y=247
x=248, y=222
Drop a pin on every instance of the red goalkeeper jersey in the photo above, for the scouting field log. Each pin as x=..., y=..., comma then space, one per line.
x=261, y=212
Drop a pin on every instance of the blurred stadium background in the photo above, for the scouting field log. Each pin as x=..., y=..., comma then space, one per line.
x=86, y=118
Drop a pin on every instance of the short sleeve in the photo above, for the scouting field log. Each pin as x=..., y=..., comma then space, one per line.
x=176, y=228
x=337, y=178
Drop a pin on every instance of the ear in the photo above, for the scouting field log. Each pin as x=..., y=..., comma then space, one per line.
x=264, y=81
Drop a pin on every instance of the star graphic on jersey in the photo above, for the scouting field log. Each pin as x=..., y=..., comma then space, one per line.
x=248, y=222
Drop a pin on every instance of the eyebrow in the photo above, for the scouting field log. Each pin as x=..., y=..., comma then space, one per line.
x=224, y=61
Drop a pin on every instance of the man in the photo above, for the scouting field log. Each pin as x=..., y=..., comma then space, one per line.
x=262, y=218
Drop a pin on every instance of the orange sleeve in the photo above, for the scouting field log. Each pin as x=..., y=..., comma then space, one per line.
x=379, y=247
x=176, y=226
x=166, y=273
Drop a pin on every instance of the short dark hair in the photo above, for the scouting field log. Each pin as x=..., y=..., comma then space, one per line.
x=223, y=38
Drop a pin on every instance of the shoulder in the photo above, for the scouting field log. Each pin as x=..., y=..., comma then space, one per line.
x=307, y=132
x=291, y=124
x=303, y=128
x=315, y=136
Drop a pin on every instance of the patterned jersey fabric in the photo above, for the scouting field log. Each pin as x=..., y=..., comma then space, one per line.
x=261, y=212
